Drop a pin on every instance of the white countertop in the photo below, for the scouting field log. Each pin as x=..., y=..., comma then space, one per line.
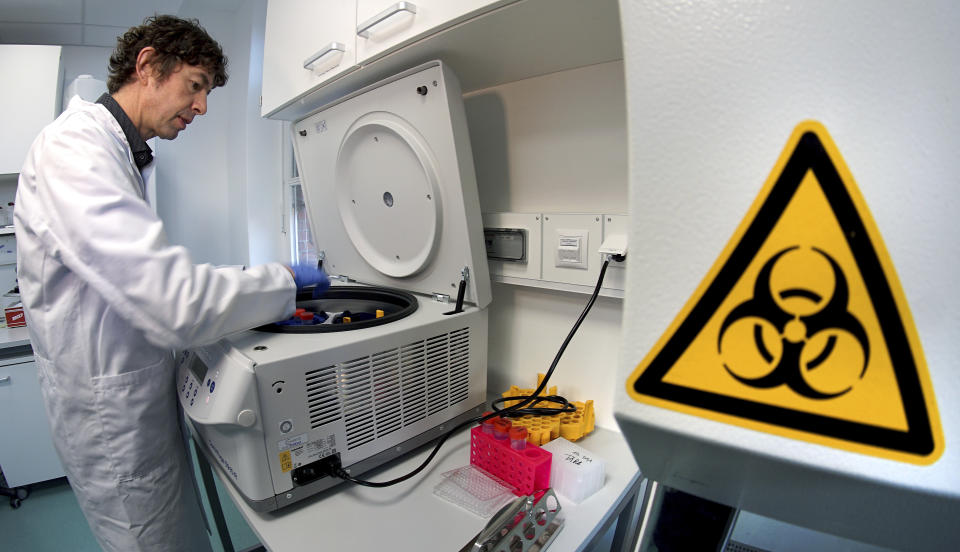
x=409, y=517
x=13, y=337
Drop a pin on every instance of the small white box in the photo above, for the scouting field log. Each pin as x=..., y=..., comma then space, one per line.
x=575, y=472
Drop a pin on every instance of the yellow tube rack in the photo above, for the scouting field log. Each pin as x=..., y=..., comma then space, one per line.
x=543, y=429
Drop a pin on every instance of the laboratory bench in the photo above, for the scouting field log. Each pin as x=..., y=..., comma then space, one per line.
x=409, y=517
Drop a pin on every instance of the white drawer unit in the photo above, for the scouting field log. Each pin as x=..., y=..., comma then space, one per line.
x=27, y=455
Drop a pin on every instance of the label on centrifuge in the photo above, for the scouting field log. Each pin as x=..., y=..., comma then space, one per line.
x=286, y=464
x=314, y=450
x=292, y=442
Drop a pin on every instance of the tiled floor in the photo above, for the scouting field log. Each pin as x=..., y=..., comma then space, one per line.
x=49, y=520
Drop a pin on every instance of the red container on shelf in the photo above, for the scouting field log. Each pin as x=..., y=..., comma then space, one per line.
x=14, y=316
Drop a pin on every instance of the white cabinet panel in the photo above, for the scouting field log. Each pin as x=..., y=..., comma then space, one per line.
x=31, y=76
x=383, y=25
x=487, y=42
x=27, y=454
x=298, y=31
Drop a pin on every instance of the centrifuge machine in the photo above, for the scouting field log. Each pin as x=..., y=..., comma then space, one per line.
x=394, y=354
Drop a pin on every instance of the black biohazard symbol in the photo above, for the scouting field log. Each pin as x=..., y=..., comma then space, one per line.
x=797, y=348
x=795, y=330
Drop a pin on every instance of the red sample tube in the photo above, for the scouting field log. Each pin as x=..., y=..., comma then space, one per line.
x=518, y=438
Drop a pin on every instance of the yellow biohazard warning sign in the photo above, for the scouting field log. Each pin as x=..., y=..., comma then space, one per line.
x=801, y=328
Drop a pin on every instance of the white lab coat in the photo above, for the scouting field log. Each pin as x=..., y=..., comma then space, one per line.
x=107, y=299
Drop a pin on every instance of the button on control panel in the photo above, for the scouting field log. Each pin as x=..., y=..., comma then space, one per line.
x=196, y=384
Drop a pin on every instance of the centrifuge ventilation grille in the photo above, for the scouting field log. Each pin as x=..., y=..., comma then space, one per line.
x=378, y=394
x=323, y=401
x=413, y=370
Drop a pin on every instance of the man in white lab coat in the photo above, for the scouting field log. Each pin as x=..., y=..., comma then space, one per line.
x=107, y=299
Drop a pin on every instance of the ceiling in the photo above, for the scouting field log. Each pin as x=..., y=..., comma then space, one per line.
x=84, y=22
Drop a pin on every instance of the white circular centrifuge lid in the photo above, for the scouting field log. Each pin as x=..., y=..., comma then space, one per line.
x=388, y=181
x=387, y=194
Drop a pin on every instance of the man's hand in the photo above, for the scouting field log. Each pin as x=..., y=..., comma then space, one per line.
x=305, y=275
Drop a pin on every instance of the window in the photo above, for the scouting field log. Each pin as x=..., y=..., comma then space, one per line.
x=302, y=248
x=301, y=238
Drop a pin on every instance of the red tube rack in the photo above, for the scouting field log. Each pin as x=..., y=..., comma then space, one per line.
x=527, y=470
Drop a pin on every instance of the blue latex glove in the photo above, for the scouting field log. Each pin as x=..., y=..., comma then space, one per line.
x=305, y=275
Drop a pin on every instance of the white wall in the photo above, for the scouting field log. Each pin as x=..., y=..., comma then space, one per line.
x=263, y=156
x=219, y=181
x=83, y=60
x=199, y=183
x=555, y=143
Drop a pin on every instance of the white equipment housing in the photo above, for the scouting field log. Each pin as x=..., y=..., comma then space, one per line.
x=388, y=179
x=699, y=158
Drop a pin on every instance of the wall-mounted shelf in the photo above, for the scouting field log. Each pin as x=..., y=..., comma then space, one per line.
x=6, y=230
x=557, y=286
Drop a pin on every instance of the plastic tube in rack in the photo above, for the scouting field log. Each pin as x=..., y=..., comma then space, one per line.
x=501, y=429
x=518, y=438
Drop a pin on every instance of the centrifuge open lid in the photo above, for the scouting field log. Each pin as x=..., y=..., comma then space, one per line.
x=388, y=179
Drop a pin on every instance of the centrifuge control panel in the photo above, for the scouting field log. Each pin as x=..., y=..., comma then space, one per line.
x=197, y=384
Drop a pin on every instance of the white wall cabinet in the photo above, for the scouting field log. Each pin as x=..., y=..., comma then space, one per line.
x=30, y=97
x=487, y=42
x=26, y=445
x=298, y=31
x=310, y=43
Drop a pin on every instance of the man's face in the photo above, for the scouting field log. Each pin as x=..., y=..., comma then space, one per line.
x=170, y=105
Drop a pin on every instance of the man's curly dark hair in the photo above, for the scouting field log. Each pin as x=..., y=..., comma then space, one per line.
x=176, y=41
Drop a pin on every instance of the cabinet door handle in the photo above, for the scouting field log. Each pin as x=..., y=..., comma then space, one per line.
x=4, y=379
x=332, y=47
x=363, y=29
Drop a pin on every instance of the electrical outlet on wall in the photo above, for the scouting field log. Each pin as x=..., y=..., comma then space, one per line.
x=557, y=249
x=570, y=248
x=570, y=241
x=615, y=229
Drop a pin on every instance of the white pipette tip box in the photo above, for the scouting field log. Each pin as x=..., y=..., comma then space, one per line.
x=576, y=473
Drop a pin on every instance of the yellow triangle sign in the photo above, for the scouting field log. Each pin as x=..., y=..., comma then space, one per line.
x=801, y=328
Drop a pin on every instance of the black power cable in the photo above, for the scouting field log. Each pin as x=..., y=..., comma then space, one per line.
x=517, y=409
